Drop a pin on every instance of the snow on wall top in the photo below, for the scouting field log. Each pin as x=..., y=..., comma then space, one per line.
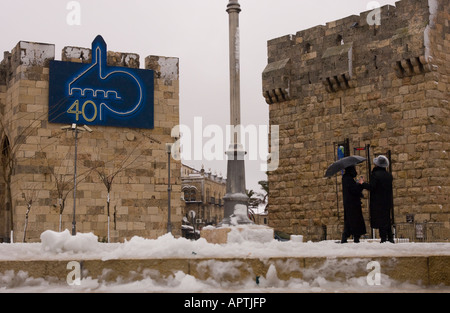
x=35, y=54
x=168, y=68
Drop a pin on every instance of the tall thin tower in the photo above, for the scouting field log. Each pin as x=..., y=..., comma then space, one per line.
x=236, y=199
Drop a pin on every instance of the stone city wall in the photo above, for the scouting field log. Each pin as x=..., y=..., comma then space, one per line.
x=43, y=154
x=385, y=85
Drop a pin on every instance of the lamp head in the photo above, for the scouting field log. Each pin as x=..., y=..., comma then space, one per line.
x=169, y=147
x=87, y=128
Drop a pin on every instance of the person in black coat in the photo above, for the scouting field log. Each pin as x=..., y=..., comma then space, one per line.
x=353, y=218
x=380, y=188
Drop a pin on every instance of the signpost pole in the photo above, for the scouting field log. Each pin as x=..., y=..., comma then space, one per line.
x=74, y=127
x=74, y=223
x=169, y=187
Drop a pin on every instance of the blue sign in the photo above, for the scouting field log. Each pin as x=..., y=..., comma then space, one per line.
x=98, y=94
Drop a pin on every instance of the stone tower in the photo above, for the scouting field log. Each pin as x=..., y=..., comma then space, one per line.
x=40, y=156
x=359, y=83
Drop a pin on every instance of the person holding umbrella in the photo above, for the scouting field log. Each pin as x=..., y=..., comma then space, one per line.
x=352, y=191
x=380, y=188
x=353, y=218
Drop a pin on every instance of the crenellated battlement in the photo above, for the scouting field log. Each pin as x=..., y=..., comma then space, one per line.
x=346, y=53
x=33, y=56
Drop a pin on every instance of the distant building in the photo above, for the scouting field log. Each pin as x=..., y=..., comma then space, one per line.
x=260, y=217
x=202, y=192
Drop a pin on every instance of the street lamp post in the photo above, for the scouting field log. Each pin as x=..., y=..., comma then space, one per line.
x=74, y=222
x=76, y=129
x=169, y=187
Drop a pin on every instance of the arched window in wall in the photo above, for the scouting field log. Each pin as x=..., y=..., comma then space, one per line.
x=190, y=193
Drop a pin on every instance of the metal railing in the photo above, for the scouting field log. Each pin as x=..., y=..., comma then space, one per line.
x=422, y=232
x=404, y=232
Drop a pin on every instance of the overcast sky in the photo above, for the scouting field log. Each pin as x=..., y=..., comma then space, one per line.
x=196, y=31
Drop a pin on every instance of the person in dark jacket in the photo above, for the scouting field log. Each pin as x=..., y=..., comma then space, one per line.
x=380, y=188
x=353, y=218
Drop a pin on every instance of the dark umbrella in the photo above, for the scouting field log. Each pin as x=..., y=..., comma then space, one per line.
x=343, y=163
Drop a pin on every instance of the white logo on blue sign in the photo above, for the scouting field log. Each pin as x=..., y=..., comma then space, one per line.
x=98, y=94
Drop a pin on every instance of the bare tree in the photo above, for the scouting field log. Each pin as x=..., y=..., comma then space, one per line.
x=107, y=173
x=64, y=184
x=62, y=174
x=10, y=146
x=29, y=195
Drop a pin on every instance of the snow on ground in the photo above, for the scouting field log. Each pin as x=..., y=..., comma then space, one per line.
x=63, y=246
x=180, y=282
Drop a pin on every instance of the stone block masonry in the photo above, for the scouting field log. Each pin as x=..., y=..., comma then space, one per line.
x=425, y=271
x=384, y=85
x=38, y=157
